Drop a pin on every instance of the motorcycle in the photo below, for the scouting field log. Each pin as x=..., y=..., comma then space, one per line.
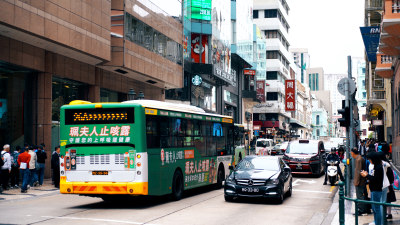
x=332, y=172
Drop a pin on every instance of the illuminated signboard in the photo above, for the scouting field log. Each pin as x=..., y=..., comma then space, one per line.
x=201, y=9
x=99, y=116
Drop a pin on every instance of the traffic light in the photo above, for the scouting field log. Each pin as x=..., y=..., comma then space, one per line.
x=345, y=120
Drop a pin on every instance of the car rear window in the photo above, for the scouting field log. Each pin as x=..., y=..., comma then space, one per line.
x=262, y=144
x=302, y=148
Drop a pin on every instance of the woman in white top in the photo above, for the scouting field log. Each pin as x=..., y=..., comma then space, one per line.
x=32, y=167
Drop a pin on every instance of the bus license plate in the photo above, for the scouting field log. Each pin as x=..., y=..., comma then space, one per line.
x=250, y=190
x=99, y=172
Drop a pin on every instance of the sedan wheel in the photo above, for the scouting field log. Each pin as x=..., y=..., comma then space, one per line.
x=289, y=192
x=228, y=198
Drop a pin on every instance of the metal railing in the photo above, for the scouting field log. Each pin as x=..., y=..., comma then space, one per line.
x=356, y=201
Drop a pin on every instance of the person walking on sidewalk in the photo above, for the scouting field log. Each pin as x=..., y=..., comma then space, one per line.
x=15, y=168
x=23, y=162
x=6, y=168
x=32, y=166
x=359, y=181
x=41, y=159
x=55, y=165
x=375, y=177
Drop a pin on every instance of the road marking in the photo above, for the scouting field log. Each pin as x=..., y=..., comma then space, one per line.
x=323, y=192
x=92, y=219
x=332, y=187
x=295, y=183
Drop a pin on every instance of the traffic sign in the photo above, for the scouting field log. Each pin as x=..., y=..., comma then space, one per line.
x=341, y=86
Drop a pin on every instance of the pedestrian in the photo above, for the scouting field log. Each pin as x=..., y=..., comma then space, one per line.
x=6, y=168
x=359, y=181
x=32, y=167
x=391, y=197
x=15, y=168
x=375, y=178
x=362, y=149
x=55, y=164
x=41, y=159
x=23, y=162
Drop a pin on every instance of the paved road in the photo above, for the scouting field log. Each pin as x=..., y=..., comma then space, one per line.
x=309, y=204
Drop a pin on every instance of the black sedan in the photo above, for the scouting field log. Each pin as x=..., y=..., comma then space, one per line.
x=259, y=176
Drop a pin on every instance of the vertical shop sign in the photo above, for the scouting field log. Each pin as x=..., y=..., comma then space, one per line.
x=290, y=95
x=199, y=50
x=260, y=90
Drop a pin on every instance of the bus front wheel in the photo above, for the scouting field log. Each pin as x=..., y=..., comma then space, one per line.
x=177, y=185
x=220, y=176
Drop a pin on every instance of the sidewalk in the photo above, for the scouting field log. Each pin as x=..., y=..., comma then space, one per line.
x=15, y=194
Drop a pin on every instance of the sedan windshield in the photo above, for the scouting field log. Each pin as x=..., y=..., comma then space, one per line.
x=259, y=163
x=302, y=148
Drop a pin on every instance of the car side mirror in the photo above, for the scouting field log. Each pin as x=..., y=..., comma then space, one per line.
x=231, y=167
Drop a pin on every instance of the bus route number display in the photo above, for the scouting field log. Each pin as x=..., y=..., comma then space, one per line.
x=99, y=116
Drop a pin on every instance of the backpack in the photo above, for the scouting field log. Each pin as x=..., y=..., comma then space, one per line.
x=2, y=159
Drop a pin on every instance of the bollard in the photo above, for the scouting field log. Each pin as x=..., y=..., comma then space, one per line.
x=341, y=203
x=356, y=211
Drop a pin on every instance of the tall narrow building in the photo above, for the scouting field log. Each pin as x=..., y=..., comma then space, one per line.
x=270, y=116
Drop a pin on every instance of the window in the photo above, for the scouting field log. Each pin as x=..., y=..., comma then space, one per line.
x=255, y=14
x=271, y=13
x=272, y=96
x=318, y=133
x=209, y=139
x=272, y=75
x=144, y=35
x=317, y=120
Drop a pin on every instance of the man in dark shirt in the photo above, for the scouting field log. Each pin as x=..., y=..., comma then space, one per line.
x=55, y=165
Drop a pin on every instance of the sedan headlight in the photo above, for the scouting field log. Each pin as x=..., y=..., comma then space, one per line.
x=230, y=179
x=273, y=181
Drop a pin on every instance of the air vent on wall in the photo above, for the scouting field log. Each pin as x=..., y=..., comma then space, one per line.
x=121, y=71
x=151, y=81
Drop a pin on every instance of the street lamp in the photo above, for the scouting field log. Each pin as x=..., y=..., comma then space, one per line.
x=131, y=94
x=141, y=95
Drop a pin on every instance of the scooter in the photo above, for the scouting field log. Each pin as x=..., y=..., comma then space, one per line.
x=332, y=171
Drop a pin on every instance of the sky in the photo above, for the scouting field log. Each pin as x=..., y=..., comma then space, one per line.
x=329, y=29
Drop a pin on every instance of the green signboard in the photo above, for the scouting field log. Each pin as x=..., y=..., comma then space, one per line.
x=201, y=9
x=205, y=4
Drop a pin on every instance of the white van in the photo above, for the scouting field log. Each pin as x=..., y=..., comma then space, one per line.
x=264, y=146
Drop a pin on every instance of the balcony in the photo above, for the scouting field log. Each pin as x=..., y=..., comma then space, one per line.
x=373, y=5
x=384, y=66
x=390, y=31
x=379, y=95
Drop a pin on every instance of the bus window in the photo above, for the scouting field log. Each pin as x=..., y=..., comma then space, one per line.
x=164, y=132
x=153, y=140
x=189, y=133
x=198, y=138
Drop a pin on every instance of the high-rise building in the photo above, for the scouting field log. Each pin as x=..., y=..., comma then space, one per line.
x=315, y=79
x=302, y=60
x=271, y=17
x=53, y=52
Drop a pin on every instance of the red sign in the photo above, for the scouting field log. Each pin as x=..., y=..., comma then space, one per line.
x=260, y=88
x=199, y=49
x=249, y=72
x=290, y=95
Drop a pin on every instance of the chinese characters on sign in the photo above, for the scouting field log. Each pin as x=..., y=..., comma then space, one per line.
x=260, y=90
x=290, y=95
x=200, y=171
x=106, y=134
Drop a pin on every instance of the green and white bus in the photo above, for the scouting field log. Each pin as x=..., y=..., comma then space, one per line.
x=143, y=147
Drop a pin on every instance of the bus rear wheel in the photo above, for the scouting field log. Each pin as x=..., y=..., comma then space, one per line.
x=177, y=186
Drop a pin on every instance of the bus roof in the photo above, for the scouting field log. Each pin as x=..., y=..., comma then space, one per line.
x=172, y=107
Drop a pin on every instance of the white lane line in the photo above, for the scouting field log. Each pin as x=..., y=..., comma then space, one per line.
x=92, y=219
x=323, y=192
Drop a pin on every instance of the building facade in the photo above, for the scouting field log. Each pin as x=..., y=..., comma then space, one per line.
x=53, y=52
x=270, y=116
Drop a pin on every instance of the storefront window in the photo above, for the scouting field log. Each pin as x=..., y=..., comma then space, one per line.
x=15, y=105
x=204, y=96
x=111, y=96
x=65, y=91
